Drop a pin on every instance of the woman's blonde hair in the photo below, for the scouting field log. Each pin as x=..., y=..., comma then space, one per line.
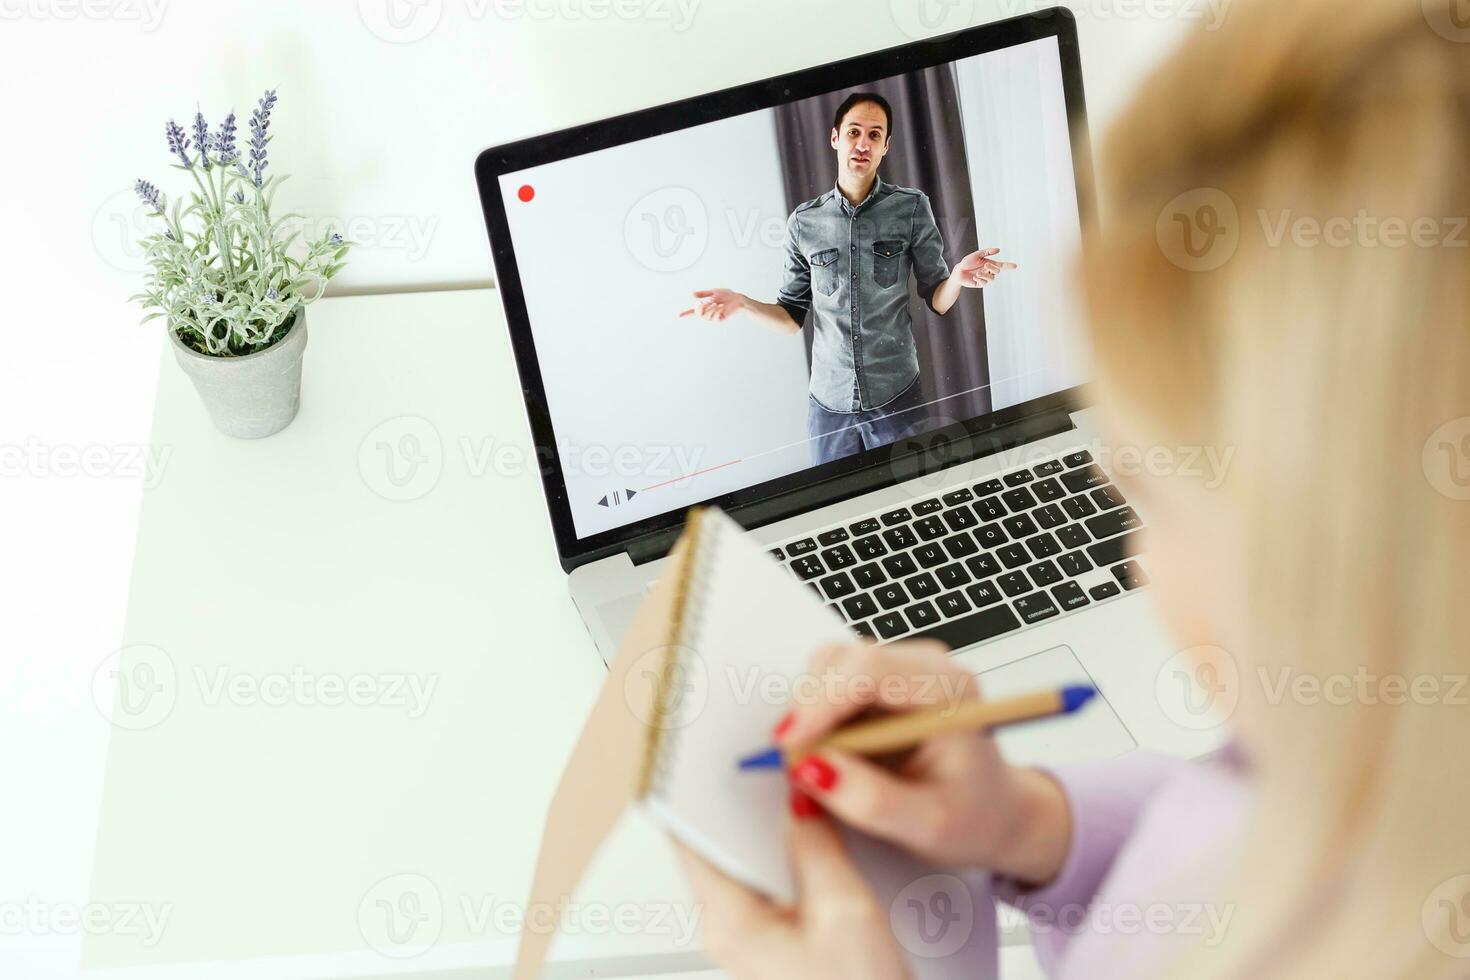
x=1338, y=371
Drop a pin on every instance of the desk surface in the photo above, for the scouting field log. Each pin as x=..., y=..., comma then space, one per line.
x=353, y=675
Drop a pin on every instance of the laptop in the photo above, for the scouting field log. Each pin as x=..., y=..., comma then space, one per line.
x=765, y=299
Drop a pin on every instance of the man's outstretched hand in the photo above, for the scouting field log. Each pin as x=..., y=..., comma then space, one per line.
x=979, y=269
x=716, y=305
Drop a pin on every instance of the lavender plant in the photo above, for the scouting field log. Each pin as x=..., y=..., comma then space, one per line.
x=226, y=275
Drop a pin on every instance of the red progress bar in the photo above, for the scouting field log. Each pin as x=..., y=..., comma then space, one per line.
x=690, y=476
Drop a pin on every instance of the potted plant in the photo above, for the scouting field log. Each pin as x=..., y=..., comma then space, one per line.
x=223, y=275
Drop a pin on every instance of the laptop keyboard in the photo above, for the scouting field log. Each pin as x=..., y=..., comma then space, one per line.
x=977, y=562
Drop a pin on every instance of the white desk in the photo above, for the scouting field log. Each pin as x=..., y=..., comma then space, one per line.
x=263, y=826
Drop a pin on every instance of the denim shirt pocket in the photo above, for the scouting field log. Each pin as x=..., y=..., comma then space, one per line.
x=824, y=271
x=887, y=261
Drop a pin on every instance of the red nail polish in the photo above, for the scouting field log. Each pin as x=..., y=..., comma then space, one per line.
x=803, y=807
x=784, y=726
x=814, y=771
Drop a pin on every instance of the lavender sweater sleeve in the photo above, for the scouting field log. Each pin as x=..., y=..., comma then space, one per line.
x=1106, y=800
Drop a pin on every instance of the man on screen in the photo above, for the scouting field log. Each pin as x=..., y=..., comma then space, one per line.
x=848, y=258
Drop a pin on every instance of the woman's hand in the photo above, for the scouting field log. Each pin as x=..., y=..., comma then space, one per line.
x=954, y=802
x=836, y=929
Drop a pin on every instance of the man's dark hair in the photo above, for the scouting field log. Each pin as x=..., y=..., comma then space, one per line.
x=857, y=98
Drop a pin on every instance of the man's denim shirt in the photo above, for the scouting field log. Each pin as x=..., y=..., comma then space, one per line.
x=849, y=266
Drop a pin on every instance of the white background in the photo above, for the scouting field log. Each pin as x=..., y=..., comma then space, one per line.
x=379, y=126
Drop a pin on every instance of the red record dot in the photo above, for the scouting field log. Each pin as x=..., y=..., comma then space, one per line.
x=526, y=192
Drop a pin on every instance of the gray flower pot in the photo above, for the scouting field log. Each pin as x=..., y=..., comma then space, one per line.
x=253, y=396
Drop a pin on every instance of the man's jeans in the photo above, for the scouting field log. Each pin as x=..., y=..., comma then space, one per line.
x=836, y=435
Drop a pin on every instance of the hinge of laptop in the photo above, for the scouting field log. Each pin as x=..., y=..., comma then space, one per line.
x=951, y=452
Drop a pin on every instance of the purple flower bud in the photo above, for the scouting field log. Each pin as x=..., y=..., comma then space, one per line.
x=239, y=197
x=224, y=142
x=336, y=239
x=150, y=195
x=201, y=139
x=272, y=294
x=178, y=142
x=260, y=123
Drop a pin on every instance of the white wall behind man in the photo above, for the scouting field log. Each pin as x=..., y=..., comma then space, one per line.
x=375, y=132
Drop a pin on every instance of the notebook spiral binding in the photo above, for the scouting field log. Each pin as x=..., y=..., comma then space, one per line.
x=691, y=577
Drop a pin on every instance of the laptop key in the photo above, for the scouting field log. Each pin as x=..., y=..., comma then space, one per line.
x=899, y=538
x=833, y=536
x=983, y=566
x=1109, y=497
x=991, y=536
x=869, y=526
x=960, y=518
x=1073, y=536
x=990, y=509
x=891, y=625
x=777, y=554
x=808, y=567
x=953, y=604
x=1114, y=522
x=961, y=546
x=1104, y=591
x=956, y=497
x=1049, y=516
x=1044, y=573
x=953, y=576
x=977, y=627
x=897, y=566
x=930, y=555
x=1084, y=479
x=1014, y=556
x=1014, y=584
x=863, y=629
x=1017, y=478
x=891, y=596
x=1048, y=490
x=839, y=557
x=1018, y=499
x=1077, y=459
x=922, y=615
x=1130, y=575
x=1114, y=550
x=900, y=516
x=1043, y=545
x=1050, y=468
x=930, y=506
x=1019, y=526
x=984, y=594
x=989, y=487
x=1035, y=608
x=838, y=586
x=930, y=528
x=803, y=547
x=1069, y=596
x=869, y=548
x=1075, y=564
x=869, y=575
x=860, y=607
x=1079, y=507
x=922, y=586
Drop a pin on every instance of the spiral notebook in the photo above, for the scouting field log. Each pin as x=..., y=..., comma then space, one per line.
x=738, y=642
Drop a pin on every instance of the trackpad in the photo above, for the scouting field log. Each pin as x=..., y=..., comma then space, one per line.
x=1094, y=732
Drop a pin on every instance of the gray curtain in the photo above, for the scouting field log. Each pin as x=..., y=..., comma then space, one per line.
x=928, y=153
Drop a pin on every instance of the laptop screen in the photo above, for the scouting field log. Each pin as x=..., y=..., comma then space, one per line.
x=740, y=300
